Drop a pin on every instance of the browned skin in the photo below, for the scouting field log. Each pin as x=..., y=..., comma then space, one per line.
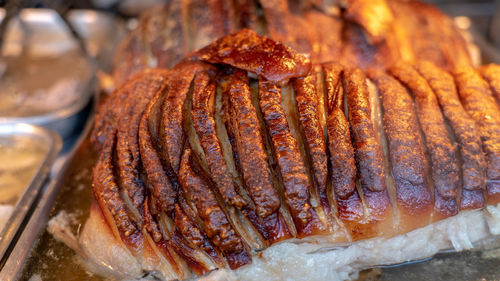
x=149, y=223
x=188, y=253
x=172, y=135
x=473, y=163
x=406, y=151
x=204, y=123
x=368, y=151
x=491, y=73
x=107, y=192
x=271, y=226
x=217, y=226
x=476, y=97
x=343, y=166
x=163, y=193
x=262, y=56
x=291, y=166
x=146, y=154
x=307, y=97
x=444, y=166
x=249, y=146
x=127, y=143
x=109, y=110
x=194, y=235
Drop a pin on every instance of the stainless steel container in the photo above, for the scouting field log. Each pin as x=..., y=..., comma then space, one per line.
x=51, y=145
x=41, y=32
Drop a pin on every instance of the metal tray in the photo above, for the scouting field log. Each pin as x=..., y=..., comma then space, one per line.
x=43, y=32
x=32, y=193
x=11, y=266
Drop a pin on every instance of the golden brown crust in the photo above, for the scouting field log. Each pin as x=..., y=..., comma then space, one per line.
x=216, y=224
x=473, y=167
x=108, y=111
x=491, y=73
x=107, y=192
x=406, y=151
x=288, y=27
x=172, y=135
x=204, y=122
x=292, y=169
x=194, y=235
x=443, y=32
x=163, y=194
x=343, y=167
x=127, y=141
x=248, y=140
x=202, y=164
x=367, y=148
x=444, y=167
x=306, y=96
x=367, y=151
x=479, y=103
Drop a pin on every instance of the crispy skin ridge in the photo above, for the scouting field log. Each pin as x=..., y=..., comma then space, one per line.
x=466, y=132
x=270, y=223
x=109, y=110
x=306, y=97
x=444, y=167
x=249, y=146
x=368, y=154
x=127, y=143
x=343, y=167
x=292, y=169
x=491, y=73
x=194, y=235
x=172, y=135
x=215, y=221
x=163, y=193
x=107, y=194
x=203, y=118
x=478, y=101
x=177, y=210
x=368, y=151
x=409, y=167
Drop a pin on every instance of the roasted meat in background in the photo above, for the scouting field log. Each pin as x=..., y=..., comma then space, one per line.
x=247, y=156
x=363, y=33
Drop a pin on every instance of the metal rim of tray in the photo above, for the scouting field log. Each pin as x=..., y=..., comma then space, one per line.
x=24, y=207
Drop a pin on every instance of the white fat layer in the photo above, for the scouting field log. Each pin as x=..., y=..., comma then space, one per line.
x=299, y=260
